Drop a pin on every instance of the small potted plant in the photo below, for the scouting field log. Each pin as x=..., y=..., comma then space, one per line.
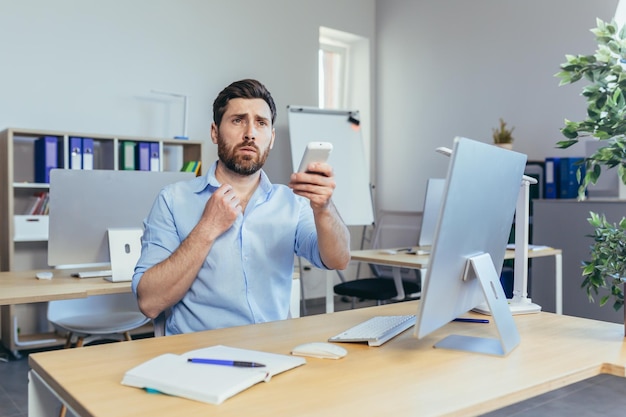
x=606, y=121
x=503, y=136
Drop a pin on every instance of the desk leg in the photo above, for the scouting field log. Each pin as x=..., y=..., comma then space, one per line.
x=294, y=306
x=558, y=273
x=330, y=292
x=42, y=399
x=397, y=279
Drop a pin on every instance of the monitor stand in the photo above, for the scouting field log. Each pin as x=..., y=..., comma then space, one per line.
x=517, y=305
x=124, y=251
x=481, y=267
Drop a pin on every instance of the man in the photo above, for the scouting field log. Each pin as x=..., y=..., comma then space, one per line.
x=219, y=249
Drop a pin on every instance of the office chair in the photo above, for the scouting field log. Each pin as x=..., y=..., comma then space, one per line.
x=99, y=317
x=160, y=321
x=393, y=229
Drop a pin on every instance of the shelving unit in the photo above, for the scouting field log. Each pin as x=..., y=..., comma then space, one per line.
x=23, y=237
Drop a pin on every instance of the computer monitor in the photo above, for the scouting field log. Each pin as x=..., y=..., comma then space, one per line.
x=430, y=213
x=84, y=204
x=477, y=211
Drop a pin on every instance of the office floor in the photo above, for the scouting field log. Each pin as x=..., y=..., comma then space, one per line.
x=603, y=395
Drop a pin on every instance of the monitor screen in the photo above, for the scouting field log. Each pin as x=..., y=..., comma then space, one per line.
x=84, y=204
x=474, y=223
x=430, y=213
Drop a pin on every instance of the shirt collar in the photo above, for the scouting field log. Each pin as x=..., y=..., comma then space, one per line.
x=209, y=181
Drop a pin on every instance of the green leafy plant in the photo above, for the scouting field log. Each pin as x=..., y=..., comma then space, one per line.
x=502, y=134
x=606, y=102
x=608, y=261
x=605, y=121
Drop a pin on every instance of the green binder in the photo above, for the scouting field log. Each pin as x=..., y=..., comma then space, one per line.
x=127, y=155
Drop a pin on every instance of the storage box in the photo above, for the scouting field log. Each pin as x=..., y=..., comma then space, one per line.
x=30, y=228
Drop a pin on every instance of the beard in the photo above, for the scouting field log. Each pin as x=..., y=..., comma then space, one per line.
x=241, y=164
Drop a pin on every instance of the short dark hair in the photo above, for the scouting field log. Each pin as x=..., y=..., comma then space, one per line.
x=241, y=89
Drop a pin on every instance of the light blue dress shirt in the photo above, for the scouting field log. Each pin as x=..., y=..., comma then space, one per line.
x=247, y=276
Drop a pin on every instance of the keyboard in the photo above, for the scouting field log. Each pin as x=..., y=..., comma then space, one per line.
x=93, y=274
x=376, y=330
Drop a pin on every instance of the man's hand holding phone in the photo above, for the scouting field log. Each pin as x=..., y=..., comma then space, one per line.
x=317, y=184
x=315, y=152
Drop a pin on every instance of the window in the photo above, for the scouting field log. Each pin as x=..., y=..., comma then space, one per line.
x=344, y=76
x=332, y=64
x=620, y=13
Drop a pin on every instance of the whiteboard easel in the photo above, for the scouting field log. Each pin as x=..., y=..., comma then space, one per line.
x=352, y=196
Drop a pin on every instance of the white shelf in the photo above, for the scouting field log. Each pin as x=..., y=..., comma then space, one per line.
x=23, y=238
x=34, y=185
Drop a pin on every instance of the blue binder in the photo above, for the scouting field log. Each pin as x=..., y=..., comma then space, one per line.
x=46, y=157
x=552, y=176
x=142, y=162
x=75, y=153
x=155, y=158
x=87, y=155
x=568, y=184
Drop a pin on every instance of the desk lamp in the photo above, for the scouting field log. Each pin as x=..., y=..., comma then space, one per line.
x=185, y=108
x=520, y=303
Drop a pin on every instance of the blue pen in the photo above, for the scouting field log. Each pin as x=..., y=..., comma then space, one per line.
x=467, y=320
x=223, y=362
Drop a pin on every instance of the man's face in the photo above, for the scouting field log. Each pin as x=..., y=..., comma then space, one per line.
x=245, y=135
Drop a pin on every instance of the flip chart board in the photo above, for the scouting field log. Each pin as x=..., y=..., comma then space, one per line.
x=352, y=196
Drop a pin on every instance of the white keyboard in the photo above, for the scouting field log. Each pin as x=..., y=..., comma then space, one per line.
x=376, y=330
x=93, y=274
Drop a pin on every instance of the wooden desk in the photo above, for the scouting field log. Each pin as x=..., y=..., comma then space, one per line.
x=405, y=260
x=23, y=287
x=404, y=377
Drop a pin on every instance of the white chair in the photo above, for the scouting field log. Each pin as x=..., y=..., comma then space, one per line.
x=98, y=317
x=160, y=321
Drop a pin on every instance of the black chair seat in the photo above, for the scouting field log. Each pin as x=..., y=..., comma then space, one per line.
x=374, y=288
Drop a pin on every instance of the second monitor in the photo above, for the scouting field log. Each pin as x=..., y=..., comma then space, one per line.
x=85, y=204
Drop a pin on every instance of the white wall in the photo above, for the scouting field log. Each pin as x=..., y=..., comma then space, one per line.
x=90, y=66
x=439, y=69
x=454, y=67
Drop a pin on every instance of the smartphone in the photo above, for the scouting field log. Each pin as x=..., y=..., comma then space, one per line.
x=315, y=152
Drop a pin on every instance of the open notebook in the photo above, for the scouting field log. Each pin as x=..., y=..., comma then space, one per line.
x=174, y=375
